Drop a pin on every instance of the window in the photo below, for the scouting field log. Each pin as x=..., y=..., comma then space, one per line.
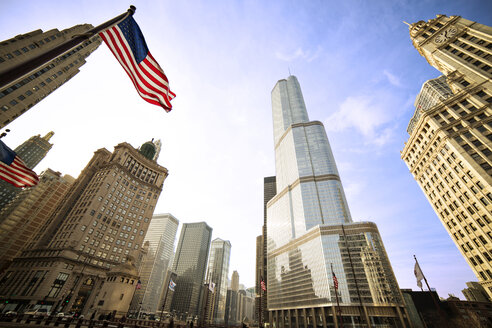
x=58, y=284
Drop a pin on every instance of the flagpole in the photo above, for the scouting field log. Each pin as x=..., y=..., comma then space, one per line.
x=339, y=311
x=260, y=312
x=430, y=291
x=165, y=297
x=17, y=72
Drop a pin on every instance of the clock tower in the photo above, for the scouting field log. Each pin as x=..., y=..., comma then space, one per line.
x=449, y=150
x=445, y=43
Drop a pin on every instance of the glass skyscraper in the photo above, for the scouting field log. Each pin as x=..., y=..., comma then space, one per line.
x=190, y=265
x=218, y=270
x=310, y=228
x=160, y=236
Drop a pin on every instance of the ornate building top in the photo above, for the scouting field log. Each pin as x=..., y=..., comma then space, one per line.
x=148, y=149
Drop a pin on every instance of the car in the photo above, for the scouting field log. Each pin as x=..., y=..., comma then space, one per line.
x=60, y=315
x=10, y=314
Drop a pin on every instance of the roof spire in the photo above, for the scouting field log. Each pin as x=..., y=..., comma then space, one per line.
x=48, y=136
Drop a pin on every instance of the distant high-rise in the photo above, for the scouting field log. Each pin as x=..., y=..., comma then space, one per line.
x=449, y=151
x=309, y=228
x=101, y=221
x=475, y=292
x=31, y=151
x=29, y=216
x=235, y=281
x=190, y=265
x=261, y=306
x=21, y=95
x=161, y=236
x=217, y=272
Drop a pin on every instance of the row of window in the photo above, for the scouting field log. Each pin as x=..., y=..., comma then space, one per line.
x=470, y=54
x=31, y=46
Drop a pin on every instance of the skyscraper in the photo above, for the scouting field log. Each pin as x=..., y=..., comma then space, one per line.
x=217, y=272
x=31, y=151
x=28, y=217
x=261, y=306
x=310, y=227
x=161, y=236
x=101, y=221
x=190, y=265
x=21, y=95
x=449, y=151
x=235, y=281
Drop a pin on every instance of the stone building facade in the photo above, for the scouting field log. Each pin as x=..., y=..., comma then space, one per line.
x=449, y=151
x=101, y=221
x=21, y=95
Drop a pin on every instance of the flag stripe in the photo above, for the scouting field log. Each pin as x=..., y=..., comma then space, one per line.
x=16, y=176
x=146, y=75
x=16, y=172
x=118, y=56
x=122, y=57
x=136, y=69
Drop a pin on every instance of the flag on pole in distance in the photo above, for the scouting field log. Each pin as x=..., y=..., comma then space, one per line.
x=262, y=284
x=13, y=170
x=139, y=284
x=172, y=284
x=335, y=280
x=127, y=43
x=418, y=274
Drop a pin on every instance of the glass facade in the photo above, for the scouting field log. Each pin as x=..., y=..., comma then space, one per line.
x=190, y=264
x=160, y=236
x=310, y=230
x=218, y=270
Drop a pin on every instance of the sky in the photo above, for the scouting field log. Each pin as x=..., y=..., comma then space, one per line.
x=359, y=74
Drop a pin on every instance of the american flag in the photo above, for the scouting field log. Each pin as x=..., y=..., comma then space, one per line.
x=127, y=43
x=139, y=284
x=262, y=284
x=13, y=170
x=172, y=285
x=335, y=280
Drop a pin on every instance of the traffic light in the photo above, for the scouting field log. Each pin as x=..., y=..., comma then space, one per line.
x=6, y=302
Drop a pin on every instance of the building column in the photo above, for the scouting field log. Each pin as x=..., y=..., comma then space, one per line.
x=305, y=312
x=323, y=316
x=366, y=315
x=313, y=310
x=335, y=317
x=401, y=316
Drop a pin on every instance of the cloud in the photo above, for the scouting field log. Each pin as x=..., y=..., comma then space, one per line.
x=393, y=79
x=372, y=115
x=308, y=55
